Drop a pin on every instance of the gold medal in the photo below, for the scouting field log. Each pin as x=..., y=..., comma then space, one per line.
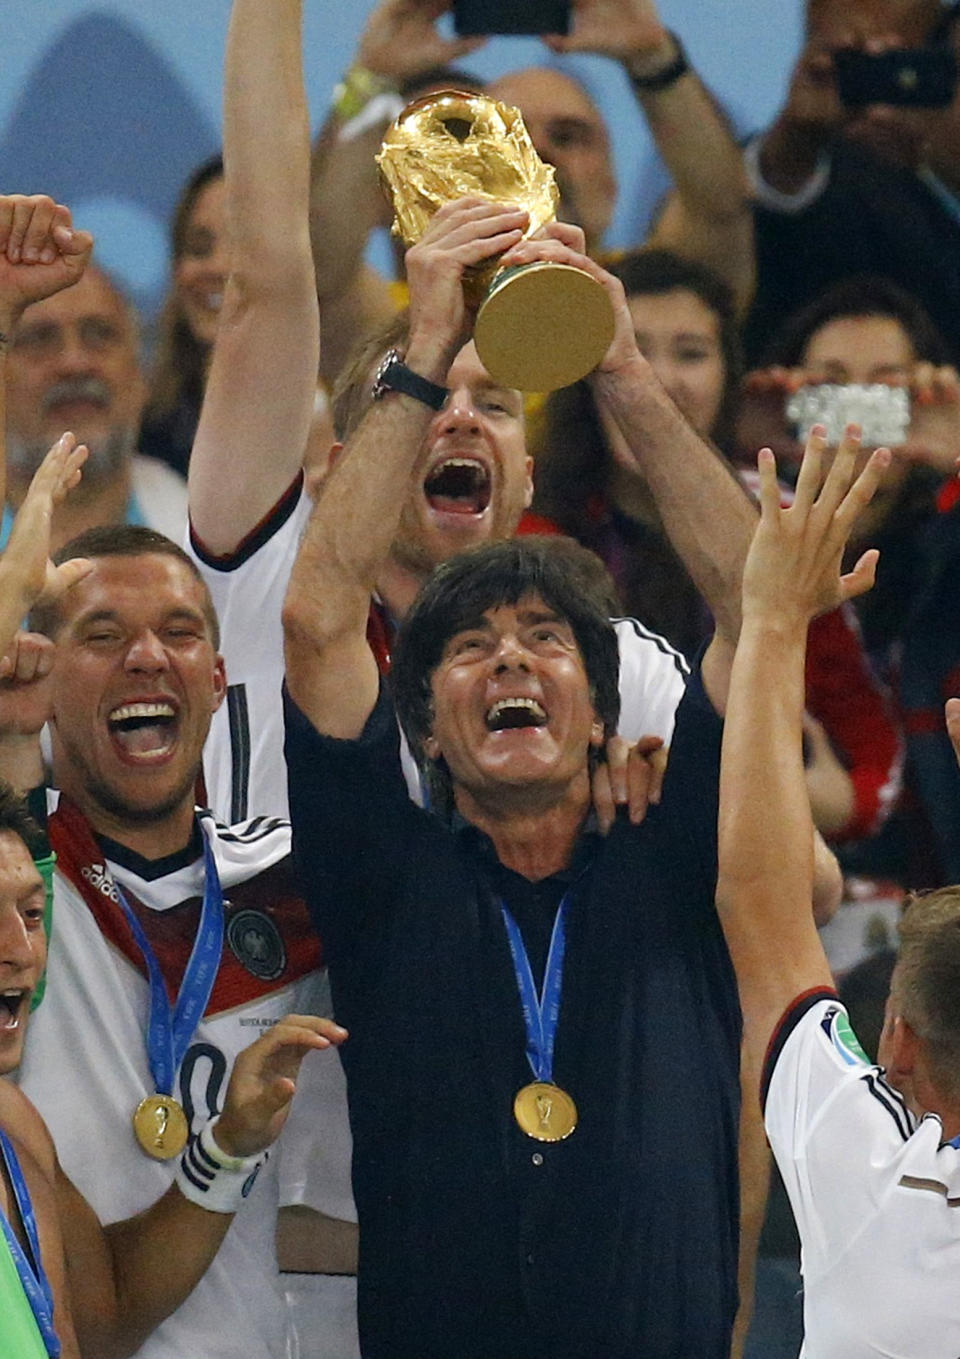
x=545, y=1112
x=160, y=1126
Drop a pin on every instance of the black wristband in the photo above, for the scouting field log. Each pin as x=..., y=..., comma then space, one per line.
x=669, y=75
x=393, y=375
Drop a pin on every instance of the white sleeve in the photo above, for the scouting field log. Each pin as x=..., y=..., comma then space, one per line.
x=653, y=676
x=834, y=1126
x=243, y=763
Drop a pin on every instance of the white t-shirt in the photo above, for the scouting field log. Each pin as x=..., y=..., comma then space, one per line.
x=85, y=1067
x=875, y=1195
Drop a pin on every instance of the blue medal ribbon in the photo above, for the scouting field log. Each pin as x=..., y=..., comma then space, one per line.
x=33, y=1277
x=170, y=1029
x=541, y=1014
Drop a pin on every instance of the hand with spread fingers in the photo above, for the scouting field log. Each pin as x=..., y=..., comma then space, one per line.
x=27, y=575
x=264, y=1081
x=792, y=572
x=40, y=252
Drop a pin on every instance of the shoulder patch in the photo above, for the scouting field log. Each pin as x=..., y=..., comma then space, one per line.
x=836, y=1026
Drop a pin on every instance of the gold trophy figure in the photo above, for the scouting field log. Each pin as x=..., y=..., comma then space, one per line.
x=539, y=326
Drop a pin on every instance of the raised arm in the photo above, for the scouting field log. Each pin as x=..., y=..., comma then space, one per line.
x=399, y=43
x=708, y=217
x=262, y=385
x=40, y=254
x=766, y=834
x=331, y=672
x=706, y=512
x=123, y=1280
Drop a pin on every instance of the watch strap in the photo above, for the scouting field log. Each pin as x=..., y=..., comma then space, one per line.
x=668, y=75
x=393, y=375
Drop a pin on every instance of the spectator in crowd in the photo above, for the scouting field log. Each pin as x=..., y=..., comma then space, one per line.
x=868, y=331
x=66, y=1281
x=74, y=362
x=710, y=219
x=587, y=485
x=869, y=1154
x=188, y=323
x=843, y=189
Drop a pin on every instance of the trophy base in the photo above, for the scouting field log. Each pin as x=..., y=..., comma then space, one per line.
x=543, y=326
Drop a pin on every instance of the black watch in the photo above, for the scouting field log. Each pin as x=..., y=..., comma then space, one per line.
x=393, y=375
x=667, y=75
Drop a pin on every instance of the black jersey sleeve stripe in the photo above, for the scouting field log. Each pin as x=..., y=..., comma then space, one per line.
x=788, y=1022
x=238, y=717
x=258, y=829
x=892, y=1101
x=261, y=533
x=661, y=643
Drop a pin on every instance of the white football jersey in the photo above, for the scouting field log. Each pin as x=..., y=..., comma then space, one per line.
x=875, y=1195
x=85, y=1067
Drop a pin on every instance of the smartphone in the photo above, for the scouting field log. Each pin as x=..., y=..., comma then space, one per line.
x=918, y=77
x=882, y=412
x=478, y=17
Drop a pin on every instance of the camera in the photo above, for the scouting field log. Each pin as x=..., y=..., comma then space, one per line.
x=881, y=411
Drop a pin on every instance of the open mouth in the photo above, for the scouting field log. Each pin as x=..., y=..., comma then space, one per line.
x=144, y=731
x=12, y=1005
x=458, y=486
x=509, y=713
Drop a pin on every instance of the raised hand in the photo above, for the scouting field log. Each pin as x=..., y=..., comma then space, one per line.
x=264, y=1080
x=401, y=39
x=626, y=30
x=561, y=243
x=27, y=575
x=792, y=571
x=40, y=252
x=26, y=565
x=462, y=235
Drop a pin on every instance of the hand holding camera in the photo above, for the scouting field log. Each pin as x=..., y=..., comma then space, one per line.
x=918, y=418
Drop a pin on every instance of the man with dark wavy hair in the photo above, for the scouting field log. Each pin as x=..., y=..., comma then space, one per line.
x=545, y=1027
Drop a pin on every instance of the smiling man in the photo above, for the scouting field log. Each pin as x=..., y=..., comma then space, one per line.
x=544, y=1082
x=74, y=364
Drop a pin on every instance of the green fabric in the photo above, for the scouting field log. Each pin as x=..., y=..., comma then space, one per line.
x=20, y=1336
x=46, y=866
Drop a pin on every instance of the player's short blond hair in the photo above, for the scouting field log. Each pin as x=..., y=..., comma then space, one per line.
x=926, y=982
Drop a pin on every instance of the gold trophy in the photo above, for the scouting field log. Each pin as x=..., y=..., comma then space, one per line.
x=539, y=326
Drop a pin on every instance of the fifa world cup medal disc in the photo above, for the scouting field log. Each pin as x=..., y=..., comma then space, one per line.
x=160, y=1126
x=545, y=1112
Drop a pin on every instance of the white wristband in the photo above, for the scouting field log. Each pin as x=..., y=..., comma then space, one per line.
x=206, y=1175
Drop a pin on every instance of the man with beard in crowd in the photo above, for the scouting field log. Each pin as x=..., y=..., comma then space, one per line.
x=74, y=363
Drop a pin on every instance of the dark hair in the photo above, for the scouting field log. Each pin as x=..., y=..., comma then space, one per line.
x=573, y=460
x=565, y=575
x=121, y=540
x=15, y=816
x=181, y=359
x=352, y=391
x=862, y=295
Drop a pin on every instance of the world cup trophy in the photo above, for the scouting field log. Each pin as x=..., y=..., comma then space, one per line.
x=539, y=326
